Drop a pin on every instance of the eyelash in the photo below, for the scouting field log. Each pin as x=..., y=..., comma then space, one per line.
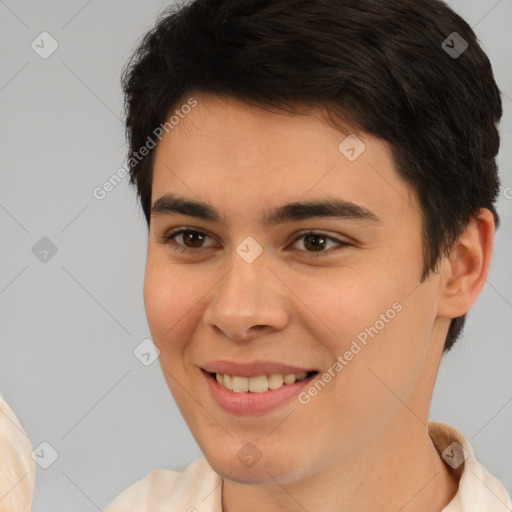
x=168, y=237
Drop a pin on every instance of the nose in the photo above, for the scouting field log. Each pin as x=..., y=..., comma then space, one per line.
x=249, y=301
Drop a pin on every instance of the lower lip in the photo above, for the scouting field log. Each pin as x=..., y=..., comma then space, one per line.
x=253, y=403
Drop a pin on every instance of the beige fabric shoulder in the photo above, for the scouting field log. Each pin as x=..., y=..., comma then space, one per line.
x=17, y=468
x=479, y=491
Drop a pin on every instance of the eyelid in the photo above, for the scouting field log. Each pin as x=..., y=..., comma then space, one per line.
x=169, y=235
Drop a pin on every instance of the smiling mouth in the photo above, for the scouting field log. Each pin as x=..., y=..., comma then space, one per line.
x=259, y=383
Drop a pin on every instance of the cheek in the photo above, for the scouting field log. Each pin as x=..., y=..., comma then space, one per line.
x=169, y=299
x=372, y=321
x=348, y=302
x=391, y=362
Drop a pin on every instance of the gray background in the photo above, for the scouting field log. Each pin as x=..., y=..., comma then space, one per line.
x=69, y=326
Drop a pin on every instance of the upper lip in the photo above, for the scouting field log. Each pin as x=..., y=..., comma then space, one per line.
x=252, y=368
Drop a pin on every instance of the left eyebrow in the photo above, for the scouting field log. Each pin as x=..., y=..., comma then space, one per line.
x=330, y=207
x=170, y=204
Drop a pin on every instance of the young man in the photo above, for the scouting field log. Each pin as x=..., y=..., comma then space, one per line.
x=318, y=179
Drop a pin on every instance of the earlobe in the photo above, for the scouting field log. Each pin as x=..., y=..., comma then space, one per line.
x=464, y=272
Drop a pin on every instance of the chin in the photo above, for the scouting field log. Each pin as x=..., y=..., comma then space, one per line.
x=264, y=471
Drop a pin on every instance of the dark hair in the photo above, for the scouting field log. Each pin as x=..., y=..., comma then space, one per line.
x=380, y=65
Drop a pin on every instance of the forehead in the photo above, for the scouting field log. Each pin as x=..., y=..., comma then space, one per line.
x=229, y=153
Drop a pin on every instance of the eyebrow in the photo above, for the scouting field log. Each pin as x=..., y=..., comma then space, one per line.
x=170, y=204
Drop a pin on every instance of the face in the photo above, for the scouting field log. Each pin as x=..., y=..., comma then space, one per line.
x=328, y=297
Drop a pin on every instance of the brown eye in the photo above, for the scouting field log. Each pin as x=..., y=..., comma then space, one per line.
x=315, y=242
x=318, y=242
x=191, y=240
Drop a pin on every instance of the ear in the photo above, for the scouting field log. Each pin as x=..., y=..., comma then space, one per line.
x=464, y=272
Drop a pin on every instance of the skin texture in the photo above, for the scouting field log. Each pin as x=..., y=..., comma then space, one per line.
x=362, y=441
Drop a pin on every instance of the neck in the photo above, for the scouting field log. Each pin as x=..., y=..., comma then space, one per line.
x=400, y=469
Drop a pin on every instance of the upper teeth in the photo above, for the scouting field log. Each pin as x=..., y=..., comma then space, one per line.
x=258, y=384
